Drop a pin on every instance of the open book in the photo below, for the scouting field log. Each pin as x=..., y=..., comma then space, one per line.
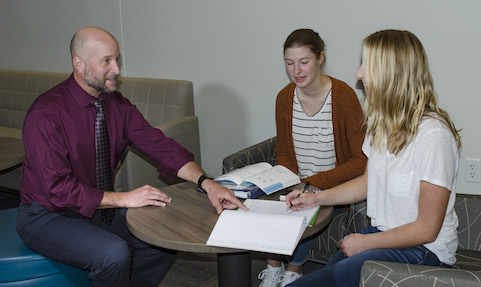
x=268, y=178
x=268, y=226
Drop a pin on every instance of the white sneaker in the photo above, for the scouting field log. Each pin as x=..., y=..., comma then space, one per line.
x=271, y=276
x=289, y=277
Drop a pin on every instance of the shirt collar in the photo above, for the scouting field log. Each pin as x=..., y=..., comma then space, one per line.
x=80, y=96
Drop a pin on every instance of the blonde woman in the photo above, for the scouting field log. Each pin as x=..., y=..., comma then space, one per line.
x=413, y=149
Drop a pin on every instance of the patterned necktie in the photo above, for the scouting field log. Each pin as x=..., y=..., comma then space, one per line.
x=102, y=156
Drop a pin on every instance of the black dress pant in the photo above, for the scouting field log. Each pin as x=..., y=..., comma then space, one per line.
x=111, y=253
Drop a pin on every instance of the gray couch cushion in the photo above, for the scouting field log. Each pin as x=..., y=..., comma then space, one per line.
x=325, y=244
x=468, y=209
x=388, y=274
x=468, y=260
x=18, y=90
x=263, y=151
x=159, y=100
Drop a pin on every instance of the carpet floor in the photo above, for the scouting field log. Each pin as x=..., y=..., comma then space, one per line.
x=200, y=270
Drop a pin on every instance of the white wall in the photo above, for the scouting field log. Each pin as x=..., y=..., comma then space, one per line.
x=232, y=52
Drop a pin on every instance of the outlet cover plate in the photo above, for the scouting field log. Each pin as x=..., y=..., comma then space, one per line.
x=473, y=169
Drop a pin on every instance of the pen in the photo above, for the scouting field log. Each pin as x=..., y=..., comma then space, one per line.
x=306, y=186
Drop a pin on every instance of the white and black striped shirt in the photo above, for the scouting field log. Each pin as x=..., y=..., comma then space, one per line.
x=313, y=138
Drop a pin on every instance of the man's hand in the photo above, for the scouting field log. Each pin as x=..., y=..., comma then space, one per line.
x=142, y=196
x=221, y=197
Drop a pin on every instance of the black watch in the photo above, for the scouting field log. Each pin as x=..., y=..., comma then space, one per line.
x=201, y=180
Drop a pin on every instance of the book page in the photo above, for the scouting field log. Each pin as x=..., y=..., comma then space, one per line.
x=239, y=175
x=274, y=179
x=277, y=207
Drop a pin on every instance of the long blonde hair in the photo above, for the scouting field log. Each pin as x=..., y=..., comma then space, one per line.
x=399, y=89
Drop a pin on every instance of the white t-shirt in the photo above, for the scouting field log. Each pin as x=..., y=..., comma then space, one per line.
x=394, y=182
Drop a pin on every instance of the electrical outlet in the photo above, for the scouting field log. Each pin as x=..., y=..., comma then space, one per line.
x=473, y=167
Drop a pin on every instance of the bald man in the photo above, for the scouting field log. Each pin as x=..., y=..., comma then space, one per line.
x=59, y=216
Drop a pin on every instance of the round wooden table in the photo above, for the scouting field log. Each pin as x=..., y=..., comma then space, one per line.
x=12, y=153
x=186, y=223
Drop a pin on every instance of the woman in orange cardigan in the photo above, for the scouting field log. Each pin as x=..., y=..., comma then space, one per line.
x=320, y=131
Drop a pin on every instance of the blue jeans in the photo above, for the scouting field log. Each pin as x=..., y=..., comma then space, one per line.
x=345, y=271
x=111, y=253
x=299, y=257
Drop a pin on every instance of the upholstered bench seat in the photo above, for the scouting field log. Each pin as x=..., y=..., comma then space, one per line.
x=20, y=266
x=469, y=260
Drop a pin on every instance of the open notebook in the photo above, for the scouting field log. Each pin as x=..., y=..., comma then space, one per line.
x=268, y=226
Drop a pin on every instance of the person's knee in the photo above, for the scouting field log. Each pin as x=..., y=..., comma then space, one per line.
x=347, y=272
x=114, y=258
x=118, y=252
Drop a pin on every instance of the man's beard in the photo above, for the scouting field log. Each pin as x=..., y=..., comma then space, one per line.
x=98, y=83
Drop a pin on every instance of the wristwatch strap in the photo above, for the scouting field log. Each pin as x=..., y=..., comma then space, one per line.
x=201, y=180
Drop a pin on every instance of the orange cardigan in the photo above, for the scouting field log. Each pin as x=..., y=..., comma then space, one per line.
x=349, y=132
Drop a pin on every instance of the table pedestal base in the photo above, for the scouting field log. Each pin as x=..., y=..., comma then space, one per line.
x=234, y=269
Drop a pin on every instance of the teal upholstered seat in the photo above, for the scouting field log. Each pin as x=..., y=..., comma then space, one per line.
x=20, y=266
